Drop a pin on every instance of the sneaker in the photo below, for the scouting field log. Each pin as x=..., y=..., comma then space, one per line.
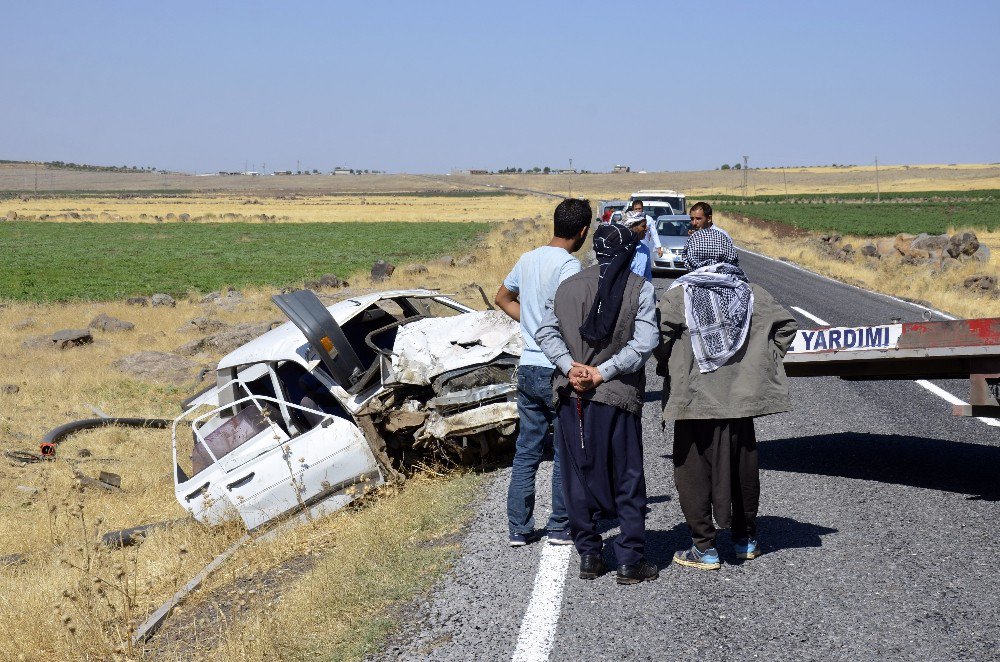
x=561, y=537
x=747, y=548
x=643, y=571
x=522, y=539
x=692, y=558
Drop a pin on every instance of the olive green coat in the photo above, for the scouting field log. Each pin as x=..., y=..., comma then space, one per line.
x=752, y=383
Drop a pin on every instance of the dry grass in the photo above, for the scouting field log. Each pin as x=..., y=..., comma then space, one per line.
x=50, y=607
x=942, y=290
x=699, y=183
x=292, y=209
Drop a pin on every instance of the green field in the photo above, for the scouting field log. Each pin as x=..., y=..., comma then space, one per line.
x=933, y=214
x=89, y=261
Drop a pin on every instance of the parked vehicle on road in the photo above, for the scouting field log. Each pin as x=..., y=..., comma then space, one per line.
x=677, y=201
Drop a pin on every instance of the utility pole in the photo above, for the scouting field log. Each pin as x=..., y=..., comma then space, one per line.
x=36, y=178
x=878, y=189
x=785, y=180
x=298, y=169
x=745, y=158
x=570, y=179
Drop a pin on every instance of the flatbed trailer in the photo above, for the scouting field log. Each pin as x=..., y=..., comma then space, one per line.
x=959, y=349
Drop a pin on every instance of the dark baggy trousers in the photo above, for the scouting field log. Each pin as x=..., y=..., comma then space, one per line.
x=715, y=471
x=603, y=476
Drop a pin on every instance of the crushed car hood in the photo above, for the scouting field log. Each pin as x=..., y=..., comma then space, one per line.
x=429, y=347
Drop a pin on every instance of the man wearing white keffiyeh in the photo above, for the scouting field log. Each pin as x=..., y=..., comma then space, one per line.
x=722, y=341
x=718, y=301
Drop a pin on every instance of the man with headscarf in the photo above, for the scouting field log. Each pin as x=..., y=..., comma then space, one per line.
x=642, y=262
x=651, y=237
x=599, y=331
x=722, y=342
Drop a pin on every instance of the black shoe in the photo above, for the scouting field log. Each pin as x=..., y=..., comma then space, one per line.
x=643, y=571
x=592, y=566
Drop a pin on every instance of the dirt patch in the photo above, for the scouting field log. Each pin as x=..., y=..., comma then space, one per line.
x=774, y=227
x=193, y=631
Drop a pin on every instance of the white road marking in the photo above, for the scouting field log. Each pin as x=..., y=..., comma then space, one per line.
x=933, y=388
x=945, y=395
x=538, y=628
x=806, y=313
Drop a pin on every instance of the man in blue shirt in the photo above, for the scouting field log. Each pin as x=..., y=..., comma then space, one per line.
x=524, y=294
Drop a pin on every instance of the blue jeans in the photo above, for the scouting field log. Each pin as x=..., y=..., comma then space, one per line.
x=534, y=405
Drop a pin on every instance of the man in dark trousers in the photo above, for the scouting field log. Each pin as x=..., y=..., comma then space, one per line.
x=599, y=332
x=723, y=341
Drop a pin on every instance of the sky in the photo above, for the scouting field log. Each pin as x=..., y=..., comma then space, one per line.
x=427, y=87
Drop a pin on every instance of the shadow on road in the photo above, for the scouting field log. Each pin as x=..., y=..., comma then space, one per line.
x=935, y=464
x=774, y=533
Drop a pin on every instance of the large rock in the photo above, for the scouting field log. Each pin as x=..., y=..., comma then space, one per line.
x=869, y=250
x=64, y=339
x=105, y=322
x=161, y=299
x=886, y=246
x=963, y=243
x=982, y=254
x=980, y=283
x=927, y=242
x=381, y=270
x=159, y=367
x=138, y=301
x=413, y=269
x=445, y=261
x=466, y=261
x=226, y=341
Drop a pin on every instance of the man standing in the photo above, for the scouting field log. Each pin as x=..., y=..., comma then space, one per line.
x=723, y=341
x=523, y=295
x=650, y=237
x=599, y=331
x=642, y=263
x=701, y=218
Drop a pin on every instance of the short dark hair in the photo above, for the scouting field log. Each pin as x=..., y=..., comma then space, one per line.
x=703, y=207
x=571, y=216
x=636, y=202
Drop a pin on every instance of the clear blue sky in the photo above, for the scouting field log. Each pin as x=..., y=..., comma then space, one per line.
x=430, y=86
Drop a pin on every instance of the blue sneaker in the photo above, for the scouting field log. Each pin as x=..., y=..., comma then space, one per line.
x=561, y=537
x=747, y=548
x=692, y=558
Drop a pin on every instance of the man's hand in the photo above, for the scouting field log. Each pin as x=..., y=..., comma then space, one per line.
x=584, y=377
x=659, y=251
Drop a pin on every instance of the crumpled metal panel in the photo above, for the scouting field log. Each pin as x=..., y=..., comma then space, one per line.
x=467, y=422
x=429, y=347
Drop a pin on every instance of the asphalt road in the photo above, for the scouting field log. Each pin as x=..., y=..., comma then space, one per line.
x=877, y=515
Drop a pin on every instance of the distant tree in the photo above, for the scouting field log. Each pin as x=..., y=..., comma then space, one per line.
x=737, y=166
x=315, y=171
x=725, y=166
x=298, y=172
x=546, y=170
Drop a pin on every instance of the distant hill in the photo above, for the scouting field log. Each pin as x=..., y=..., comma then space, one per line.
x=81, y=167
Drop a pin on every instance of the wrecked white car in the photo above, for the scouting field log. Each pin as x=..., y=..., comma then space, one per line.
x=339, y=398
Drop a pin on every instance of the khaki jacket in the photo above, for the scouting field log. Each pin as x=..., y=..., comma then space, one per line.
x=752, y=383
